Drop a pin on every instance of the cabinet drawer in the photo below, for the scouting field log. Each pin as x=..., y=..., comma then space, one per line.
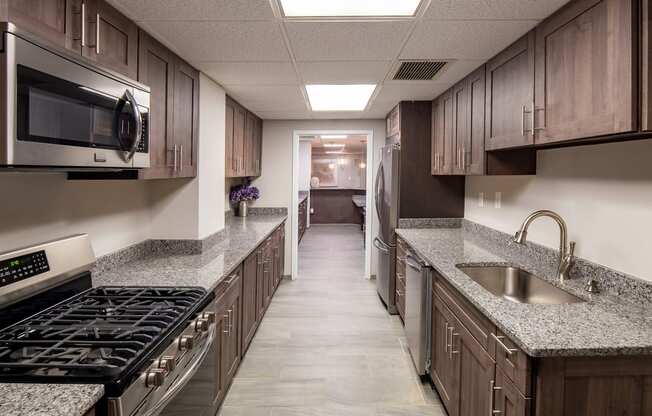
x=400, y=298
x=478, y=325
x=513, y=362
x=508, y=400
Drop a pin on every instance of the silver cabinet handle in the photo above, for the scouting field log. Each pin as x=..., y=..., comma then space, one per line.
x=97, y=33
x=499, y=340
x=227, y=330
x=180, y=157
x=83, y=24
x=175, y=157
x=492, y=389
x=452, y=351
x=534, y=110
x=447, y=344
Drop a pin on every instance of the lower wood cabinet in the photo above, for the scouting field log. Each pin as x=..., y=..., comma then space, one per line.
x=303, y=218
x=230, y=308
x=249, y=302
x=478, y=370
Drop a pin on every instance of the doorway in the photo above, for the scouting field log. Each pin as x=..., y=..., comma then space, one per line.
x=331, y=199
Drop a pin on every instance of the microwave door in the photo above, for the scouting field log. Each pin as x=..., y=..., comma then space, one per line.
x=129, y=126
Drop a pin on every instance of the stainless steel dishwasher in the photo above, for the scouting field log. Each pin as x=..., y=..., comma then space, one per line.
x=418, y=301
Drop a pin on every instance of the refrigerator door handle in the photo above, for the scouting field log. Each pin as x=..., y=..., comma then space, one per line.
x=379, y=177
x=381, y=246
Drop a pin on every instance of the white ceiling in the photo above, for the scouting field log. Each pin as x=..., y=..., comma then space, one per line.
x=263, y=60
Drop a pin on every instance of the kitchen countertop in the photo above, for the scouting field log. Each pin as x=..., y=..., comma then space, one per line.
x=17, y=399
x=359, y=201
x=207, y=269
x=242, y=236
x=604, y=325
x=303, y=195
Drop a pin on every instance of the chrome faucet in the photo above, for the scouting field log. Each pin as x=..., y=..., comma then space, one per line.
x=566, y=252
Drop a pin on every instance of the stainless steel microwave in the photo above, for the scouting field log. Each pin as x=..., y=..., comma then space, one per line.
x=58, y=112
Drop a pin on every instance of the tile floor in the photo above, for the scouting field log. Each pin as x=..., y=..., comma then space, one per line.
x=326, y=346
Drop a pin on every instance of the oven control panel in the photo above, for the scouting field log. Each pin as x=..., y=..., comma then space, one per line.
x=23, y=267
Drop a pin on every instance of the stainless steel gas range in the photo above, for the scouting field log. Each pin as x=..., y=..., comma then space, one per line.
x=142, y=343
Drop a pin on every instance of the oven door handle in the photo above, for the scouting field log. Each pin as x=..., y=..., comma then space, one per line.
x=181, y=382
x=135, y=112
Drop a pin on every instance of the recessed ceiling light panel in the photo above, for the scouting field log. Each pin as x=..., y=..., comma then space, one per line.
x=333, y=136
x=339, y=97
x=349, y=8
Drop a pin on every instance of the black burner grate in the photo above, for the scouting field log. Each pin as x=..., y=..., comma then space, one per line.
x=97, y=334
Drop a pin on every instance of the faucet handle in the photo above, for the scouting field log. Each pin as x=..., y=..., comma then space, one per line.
x=571, y=249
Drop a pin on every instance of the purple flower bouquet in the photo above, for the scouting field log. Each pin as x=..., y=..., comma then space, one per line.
x=241, y=195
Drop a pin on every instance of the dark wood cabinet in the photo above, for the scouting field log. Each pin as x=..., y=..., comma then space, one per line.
x=393, y=123
x=110, y=38
x=442, y=134
x=57, y=21
x=303, y=218
x=185, y=116
x=472, y=152
x=261, y=285
x=174, y=111
x=231, y=311
x=510, y=96
x=249, y=301
x=444, y=371
x=243, y=141
x=508, y=400
x=156, y=69
x=585, y=60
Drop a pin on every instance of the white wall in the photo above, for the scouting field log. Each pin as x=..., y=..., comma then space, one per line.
x=275, y=182
x=305, y=164
x=40, y=207
x=116, y=214
x=604, y=192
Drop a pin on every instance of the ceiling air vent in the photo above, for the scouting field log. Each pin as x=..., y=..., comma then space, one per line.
x=419, y=70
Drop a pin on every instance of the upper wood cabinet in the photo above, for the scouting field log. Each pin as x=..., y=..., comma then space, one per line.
x=510, y=96
x=442, y=134
x=585, y=66
x=174, y=113
x=243, y=141
x=111, y=39
x=392, y=121
x=156, y=69
x=57, y=21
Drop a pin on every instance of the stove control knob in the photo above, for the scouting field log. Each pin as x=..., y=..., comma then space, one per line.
x=209, y=316
x=155, y=377
x=167, y=363
x=201, y=325
x=186, y=342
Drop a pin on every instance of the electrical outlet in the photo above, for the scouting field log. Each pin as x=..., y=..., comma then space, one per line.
x=498, y=199
x=481, y=199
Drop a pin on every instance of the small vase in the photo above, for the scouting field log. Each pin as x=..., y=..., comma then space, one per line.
x=242, y=209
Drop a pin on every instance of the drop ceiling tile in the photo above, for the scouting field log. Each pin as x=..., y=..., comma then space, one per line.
x=492, y=9
x=248, y=73
x=333, y=41
x=284, y=115
x=278, y=98
x=222, y=41
x=345, y=72
x=195, y=9
x=475, y=39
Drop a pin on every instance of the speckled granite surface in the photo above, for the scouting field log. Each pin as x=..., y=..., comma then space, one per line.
x=207, y=269
x=303, y=195
x=430, y=222
x=48, y=399
x=603, y=325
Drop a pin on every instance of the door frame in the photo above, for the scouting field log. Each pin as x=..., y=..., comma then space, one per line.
x=294, y=208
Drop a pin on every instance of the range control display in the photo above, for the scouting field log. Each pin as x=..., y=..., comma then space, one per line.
x=23, y=267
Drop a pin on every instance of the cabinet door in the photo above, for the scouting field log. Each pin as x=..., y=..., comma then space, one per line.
x=476, y=378
x=442, y=134
x=230, y=162
x=508, y=400
x=510, y=96
x=156, y=69
x=186, y=117
x=260, y=283
x=111, y=38
x=444, y=371
x=55, y=21
x=239, y=121
x=221, y=328
x=461, y=125
x=473, y=152
x=249, y=145
x=585, y=83
x=249, y=310
x=231, y=301
x=258, y=147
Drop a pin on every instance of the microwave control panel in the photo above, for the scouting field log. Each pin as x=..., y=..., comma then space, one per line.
x=23, y=267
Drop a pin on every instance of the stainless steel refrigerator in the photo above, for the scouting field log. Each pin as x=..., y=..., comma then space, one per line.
x=387, y=207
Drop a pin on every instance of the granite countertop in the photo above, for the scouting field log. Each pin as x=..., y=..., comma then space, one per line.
x=359, y=201
x=303, y=195
x=604, y=325
x=17, y=399
x=242, y=236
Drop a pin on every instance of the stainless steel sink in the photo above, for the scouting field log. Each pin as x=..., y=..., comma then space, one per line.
x=517, y=285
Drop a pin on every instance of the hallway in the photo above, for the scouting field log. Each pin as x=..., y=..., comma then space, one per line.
x=326, y=346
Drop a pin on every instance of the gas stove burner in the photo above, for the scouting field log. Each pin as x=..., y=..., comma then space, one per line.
x=97, y=334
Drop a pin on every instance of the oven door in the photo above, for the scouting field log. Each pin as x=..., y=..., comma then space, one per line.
x=69, y=115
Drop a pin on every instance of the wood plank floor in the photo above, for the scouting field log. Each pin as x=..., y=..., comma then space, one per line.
x=326, y=346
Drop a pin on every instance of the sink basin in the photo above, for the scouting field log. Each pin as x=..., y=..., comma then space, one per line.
x=517, y=285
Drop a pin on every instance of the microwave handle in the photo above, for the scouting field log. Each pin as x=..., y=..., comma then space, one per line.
x=139, y=125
